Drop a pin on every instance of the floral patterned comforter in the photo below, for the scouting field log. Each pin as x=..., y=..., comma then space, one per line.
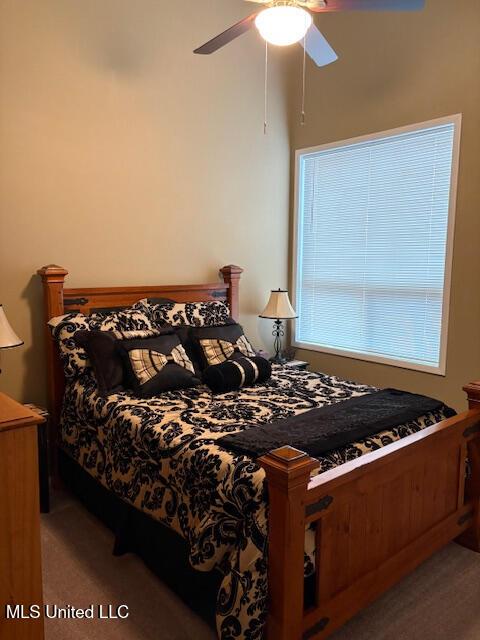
x=160, y=455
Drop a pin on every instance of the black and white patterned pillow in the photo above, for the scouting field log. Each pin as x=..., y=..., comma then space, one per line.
x=135, y=318
x=74, y=358
x=193, y=314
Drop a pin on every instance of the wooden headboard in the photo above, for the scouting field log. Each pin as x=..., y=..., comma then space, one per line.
x=59, y=300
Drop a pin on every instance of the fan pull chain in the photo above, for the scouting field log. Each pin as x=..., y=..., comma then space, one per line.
x=266, y=91
x=302, y=115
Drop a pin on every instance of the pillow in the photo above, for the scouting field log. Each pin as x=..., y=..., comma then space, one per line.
x=194, y=314
x=106, y=361
x=184, y=334
x=73, y=356
x=214, y=345
x=237, y=372
x=135, y=318
x=157, y=364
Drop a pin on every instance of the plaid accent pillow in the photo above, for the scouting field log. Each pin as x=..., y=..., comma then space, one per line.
x=103, y=355
x=146, y=364
x=213, y=345
x=217, y=351
x=157, y=364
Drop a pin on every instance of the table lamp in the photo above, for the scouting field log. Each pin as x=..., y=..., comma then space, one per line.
x=8, y=337
x=278, y=309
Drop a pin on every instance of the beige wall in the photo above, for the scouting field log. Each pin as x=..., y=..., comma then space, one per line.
x=398, y=69
x=128, y=160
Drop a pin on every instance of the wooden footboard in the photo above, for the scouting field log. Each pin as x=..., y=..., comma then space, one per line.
x=376, y=519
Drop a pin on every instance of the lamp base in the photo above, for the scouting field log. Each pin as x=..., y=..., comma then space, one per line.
x=278, y=333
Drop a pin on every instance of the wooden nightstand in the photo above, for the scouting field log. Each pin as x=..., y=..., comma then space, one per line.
x=297, y=364
x=43, y=462
x=20, y=560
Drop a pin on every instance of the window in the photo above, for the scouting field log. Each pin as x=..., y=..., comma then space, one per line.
x=373, y=244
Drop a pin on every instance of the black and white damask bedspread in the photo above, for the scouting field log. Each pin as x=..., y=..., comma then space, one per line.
x=160, y=455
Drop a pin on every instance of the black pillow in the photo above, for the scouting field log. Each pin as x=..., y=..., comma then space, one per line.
x=105, y=360
x=237, y=372
x=214, y=345
x=157, y=364
x=186, y=333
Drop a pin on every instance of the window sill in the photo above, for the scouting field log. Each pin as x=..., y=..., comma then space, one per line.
x=402, y=364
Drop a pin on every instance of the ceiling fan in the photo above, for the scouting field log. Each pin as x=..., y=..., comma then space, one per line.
x=287, y=22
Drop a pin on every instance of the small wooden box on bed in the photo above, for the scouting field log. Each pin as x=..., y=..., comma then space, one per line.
x=376, y=518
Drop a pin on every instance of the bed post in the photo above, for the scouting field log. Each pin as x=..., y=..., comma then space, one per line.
x=53, y=278
x=231, y=276
x=288, y=473
x=471, y=537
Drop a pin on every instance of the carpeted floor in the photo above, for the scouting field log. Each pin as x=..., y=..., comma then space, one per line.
x=440, y=601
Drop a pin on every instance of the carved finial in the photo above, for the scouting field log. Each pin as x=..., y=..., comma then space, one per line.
x=473, y=393
x=230, y=271
x=288, y=466
x=52, y=272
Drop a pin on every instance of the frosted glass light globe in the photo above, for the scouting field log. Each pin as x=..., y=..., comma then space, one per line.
x=283, y=25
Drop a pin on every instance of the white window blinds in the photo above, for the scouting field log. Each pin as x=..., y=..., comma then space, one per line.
x=372, y=229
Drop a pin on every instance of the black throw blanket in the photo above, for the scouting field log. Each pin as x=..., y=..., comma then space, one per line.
x=336, y=425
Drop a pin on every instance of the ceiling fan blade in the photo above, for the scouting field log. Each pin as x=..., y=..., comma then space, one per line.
x=367, y=5
x=227, y=36
x=318, y=48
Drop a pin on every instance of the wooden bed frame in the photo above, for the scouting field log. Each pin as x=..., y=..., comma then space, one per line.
x=376, y=518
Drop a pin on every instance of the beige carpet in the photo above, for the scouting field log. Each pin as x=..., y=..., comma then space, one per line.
x=440, y=601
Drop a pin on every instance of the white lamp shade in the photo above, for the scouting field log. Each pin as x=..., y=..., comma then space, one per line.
x=279, y=306
x=8, y=337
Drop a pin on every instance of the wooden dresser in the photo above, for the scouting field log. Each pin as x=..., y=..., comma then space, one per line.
x=20, y=560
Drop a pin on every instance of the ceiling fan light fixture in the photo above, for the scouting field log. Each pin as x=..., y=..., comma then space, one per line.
x=283, y=25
